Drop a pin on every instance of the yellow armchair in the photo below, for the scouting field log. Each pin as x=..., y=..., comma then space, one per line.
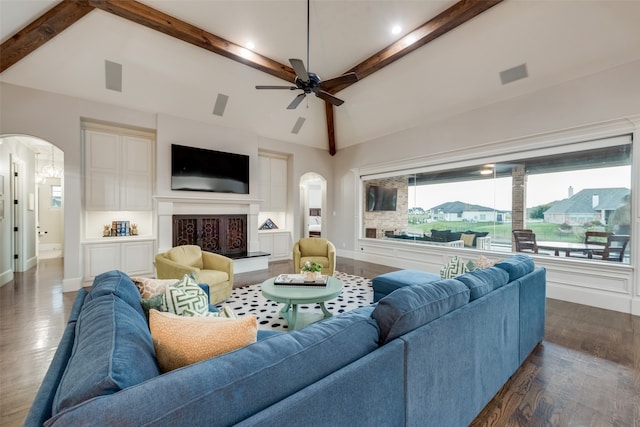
x=314, y=249
x=213, y=269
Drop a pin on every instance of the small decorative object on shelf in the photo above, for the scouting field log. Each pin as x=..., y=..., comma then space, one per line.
x=118, y=228
x=268, y=225
x=134, y=229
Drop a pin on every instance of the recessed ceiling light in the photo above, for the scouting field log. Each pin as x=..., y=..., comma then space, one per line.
x=250, y=45
x=396, y=29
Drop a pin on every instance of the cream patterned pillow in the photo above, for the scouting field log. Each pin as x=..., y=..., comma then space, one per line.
x=453, y=268
x=484, y=262
x=151, y=287
x=186, y=295
x=181, y=341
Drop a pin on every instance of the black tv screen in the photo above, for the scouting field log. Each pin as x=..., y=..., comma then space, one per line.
x=381, y=198
x=199, y=169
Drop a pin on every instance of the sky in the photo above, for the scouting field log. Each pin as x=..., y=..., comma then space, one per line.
x=541, y=189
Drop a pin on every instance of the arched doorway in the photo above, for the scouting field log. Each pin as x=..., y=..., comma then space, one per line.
x=313, y=198
x=33, y=227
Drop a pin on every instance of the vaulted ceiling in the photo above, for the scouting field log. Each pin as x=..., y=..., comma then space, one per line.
x=65, y=52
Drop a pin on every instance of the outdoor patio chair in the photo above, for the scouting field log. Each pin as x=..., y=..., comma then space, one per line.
x=614, y=249
x=525, y=241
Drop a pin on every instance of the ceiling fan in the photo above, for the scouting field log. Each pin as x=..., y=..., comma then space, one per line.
x=311, y=83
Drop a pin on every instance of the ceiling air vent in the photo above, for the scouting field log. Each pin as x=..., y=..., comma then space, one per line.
x=113, y=76
x=221, y=104
x=513, y=74
x=298, y=125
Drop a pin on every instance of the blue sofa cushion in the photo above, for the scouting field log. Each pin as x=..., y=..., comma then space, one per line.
x=386, y=283
x=482, y=281
x=413, y=306
x=112, y=351
x=517, y=266
x=119, y=284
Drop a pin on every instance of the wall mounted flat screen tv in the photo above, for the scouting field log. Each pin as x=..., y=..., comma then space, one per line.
x=381, y=198
x=199, y=169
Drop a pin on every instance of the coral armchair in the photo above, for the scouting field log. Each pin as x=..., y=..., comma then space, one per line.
x=314, y=249
x=213, y=269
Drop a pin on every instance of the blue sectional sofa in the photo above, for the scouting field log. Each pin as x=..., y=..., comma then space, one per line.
x=427, y=354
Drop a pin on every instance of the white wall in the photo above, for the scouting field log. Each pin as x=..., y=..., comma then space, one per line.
x=597, y=99
x=57, y=119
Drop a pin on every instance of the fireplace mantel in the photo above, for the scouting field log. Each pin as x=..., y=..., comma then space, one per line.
x=167, y=206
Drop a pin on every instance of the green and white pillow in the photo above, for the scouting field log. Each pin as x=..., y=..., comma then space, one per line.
x=186, y=295
x=453, y=268
x=224, y=312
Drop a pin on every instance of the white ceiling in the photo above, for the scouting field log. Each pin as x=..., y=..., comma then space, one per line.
x=559, y=40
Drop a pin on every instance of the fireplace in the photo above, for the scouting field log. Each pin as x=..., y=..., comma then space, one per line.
x=222, y=234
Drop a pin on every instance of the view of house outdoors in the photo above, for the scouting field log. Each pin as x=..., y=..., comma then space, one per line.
x=563, y=199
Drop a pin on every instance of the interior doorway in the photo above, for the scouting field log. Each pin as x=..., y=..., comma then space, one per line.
x=33, y=213
x=313, y=198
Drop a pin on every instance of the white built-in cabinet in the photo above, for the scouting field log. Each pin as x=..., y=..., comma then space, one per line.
x=118, y=185
x=277, y=243
x=134, y=257
x=118, y=172
x=273, y=183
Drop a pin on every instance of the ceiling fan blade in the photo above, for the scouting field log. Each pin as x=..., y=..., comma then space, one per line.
x=296, y=101
x=277, y=87
x=298, y=67
x=329, y=98
x=339, y=81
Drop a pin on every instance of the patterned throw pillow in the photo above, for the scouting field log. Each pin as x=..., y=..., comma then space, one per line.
x=484, y=262
x=186, y=295
x=181, y=341
x=225, y=312
x=152, y=287
x=155, y=302
x=468, y=239
x=453, y=268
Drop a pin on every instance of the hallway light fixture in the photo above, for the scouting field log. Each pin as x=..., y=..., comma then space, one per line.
x=39, y=178
x=51, y=171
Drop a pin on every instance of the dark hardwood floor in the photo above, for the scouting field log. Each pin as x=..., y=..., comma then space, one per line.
x=585, y=373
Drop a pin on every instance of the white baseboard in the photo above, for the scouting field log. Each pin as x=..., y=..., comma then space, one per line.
x=6, y=277
x=71, y=285
x=49, y=247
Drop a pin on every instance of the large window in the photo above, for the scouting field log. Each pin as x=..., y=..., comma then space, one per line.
x=570, y=203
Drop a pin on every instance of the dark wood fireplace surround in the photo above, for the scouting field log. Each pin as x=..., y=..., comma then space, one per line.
x=221, y=234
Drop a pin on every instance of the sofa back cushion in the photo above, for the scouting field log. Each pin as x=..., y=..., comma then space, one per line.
x=440, y=235
x=482, y=281
x=312, y=247
x=119, y=284
x=517, y=266
x=189, y=255
x=112, y=351
x=410, y=307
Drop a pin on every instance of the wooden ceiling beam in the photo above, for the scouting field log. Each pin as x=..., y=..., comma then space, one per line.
x=331, y=135
x=67, y=12
x=41, y=30
x=446, y=21
x=152, y=18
